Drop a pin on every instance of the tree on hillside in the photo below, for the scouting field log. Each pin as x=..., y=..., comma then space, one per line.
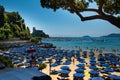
x=14, y=17
x=1, y=16
x=6, y=61
x=42, y=66
x=108, y=10
x=12, y=25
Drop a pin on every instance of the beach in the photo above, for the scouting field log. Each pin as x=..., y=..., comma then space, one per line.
x=87, y=60
x=106, y=45
x=73, y=66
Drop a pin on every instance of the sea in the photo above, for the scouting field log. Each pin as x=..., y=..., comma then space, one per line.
x=104, y=43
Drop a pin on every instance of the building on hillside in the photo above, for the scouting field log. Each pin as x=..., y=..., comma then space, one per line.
x=39, y=33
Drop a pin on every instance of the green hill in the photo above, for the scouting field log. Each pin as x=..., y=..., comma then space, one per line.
x=12, y=25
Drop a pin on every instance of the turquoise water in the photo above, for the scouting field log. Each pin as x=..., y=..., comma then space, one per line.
x=86, y=43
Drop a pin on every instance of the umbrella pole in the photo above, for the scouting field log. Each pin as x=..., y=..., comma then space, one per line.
x=50, y=65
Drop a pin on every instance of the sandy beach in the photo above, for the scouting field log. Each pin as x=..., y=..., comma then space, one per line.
x=72, y=67
x=62, y=56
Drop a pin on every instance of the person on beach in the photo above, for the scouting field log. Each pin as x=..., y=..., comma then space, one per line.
x=73, y=61
x=58, y=78
x=100, y=51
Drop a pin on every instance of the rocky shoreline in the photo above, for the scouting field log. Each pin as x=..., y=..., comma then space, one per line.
x=6, y=44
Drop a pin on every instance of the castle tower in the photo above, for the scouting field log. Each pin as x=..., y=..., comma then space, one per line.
x=34, y=29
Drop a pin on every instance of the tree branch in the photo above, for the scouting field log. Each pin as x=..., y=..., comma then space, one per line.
x=93, y=17
x=89, y=17
x=90, y=9
x=80, y=15
x=101, y=3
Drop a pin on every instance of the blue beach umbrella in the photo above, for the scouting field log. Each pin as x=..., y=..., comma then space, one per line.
x=54, y=64
x=102, y=62
x=93, y=67
x=78, y=75
x=67, y=63
x=118, y=63
x=79, y=70
x=81, y=60
x=91, y=53
x=114, y=77
x=97, y=78
x=93, y=63
x=64, y=71
x=101, y=58
x=92, y=57
x=84, y=52
x=118, y=67
x=80, y=65
x=94, y=72
x=64, y=67
x=35, y=68
x=105, y=65
x=92, y=60
x=108, y=70
x=114, y=62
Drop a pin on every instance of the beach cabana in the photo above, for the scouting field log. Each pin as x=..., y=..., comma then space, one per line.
x=78, y=76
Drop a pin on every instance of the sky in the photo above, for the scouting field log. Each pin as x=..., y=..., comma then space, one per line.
x=57, y=24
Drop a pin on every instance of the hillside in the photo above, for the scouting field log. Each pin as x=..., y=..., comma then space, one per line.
x=12, y=25
x=112, y=35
